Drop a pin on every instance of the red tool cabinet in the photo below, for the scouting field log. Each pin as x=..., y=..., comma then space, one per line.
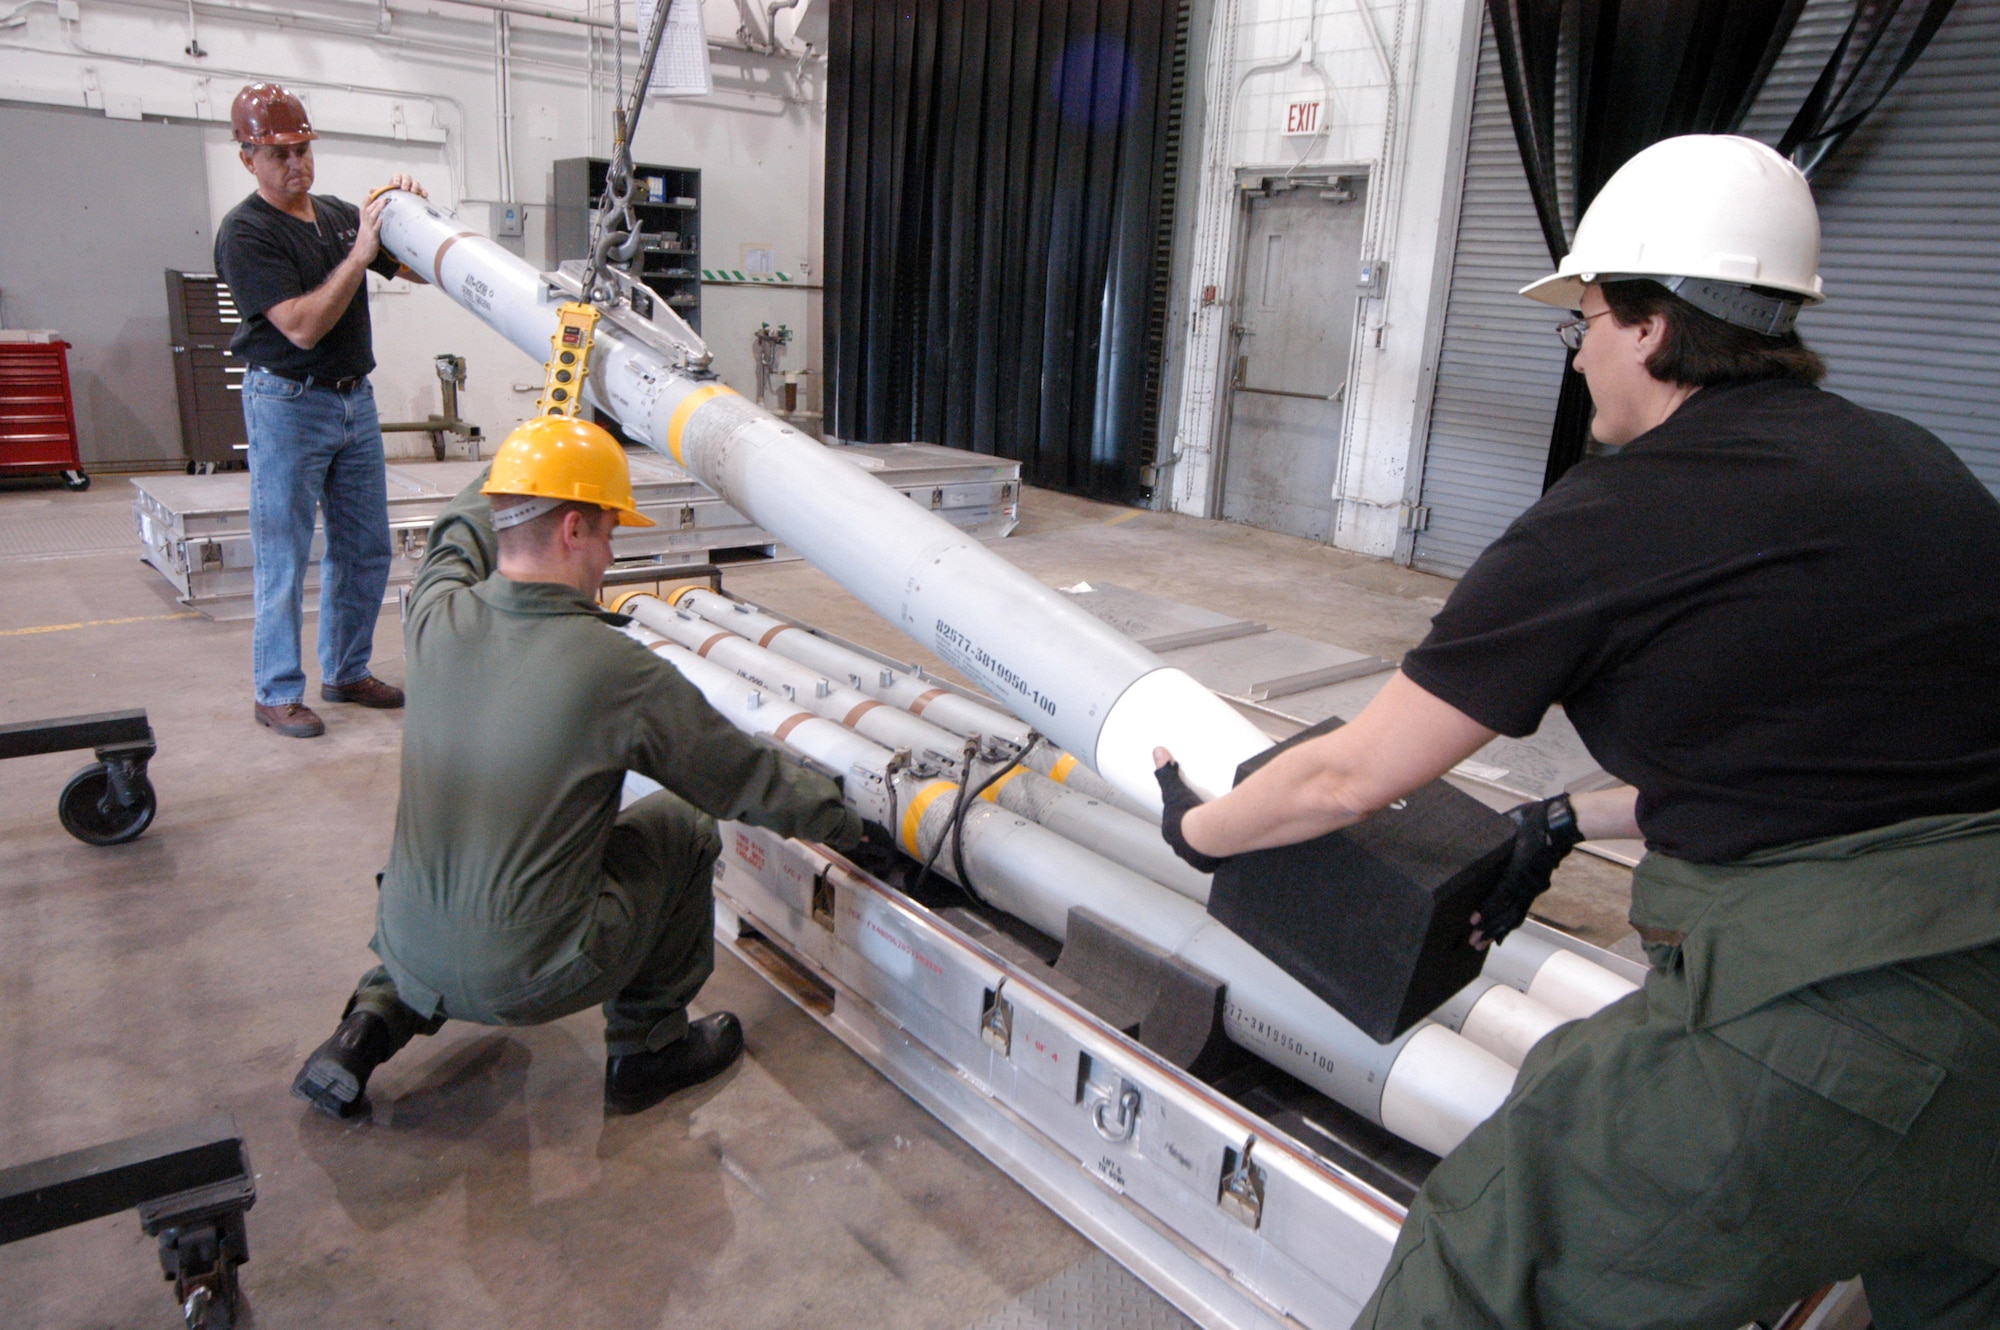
x=37, y=417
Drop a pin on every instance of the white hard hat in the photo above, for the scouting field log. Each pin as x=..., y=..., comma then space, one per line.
x=1708, y=216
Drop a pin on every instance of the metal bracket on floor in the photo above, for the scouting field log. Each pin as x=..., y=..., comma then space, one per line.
x=191, y=1186
x=110, y=801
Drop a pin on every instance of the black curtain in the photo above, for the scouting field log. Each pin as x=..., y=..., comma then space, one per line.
x=1643, y=70
x=994, y=183
x=1881, y=42
x=1637, y=72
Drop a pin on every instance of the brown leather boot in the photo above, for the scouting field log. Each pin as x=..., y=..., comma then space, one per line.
x=367, y=691
x=294, y=720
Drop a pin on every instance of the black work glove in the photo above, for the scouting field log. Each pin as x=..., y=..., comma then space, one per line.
x=1543, y=833
x=1179, y=799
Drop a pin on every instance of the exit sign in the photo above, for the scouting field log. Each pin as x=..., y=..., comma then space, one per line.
x=1302, y=119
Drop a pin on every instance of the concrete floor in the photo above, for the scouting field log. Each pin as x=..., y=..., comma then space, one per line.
x=190, y=971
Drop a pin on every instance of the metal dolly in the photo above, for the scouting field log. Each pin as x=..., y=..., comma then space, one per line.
x=191, y=1186
x=110, y=801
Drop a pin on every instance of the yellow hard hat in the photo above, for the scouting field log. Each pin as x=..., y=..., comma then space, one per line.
x=556, y=457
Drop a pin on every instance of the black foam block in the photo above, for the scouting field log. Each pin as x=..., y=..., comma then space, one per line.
x=1374, y=919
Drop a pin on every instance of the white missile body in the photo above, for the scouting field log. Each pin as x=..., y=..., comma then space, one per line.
x=889, y=726
x=1075, y=679
x=899, y=688
x=1431, y=1086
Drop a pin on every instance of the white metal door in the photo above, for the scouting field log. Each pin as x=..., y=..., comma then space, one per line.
x=1293, y=335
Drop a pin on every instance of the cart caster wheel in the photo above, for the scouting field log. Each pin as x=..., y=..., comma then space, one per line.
x=90, y=811
x=75, y=480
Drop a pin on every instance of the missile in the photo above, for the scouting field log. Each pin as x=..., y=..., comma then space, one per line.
x=1072, y=677
x=1120, y=837
x=816, y=692
x=899, y=688
x=1431, y=1086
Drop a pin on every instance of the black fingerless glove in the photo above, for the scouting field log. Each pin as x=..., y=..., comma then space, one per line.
x=1543, y=834
x=1179, y=799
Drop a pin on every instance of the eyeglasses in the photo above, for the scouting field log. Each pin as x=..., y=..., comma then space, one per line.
x=1570, y=334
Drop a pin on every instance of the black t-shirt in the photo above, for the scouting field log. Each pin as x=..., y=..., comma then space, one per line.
x=1777, y=615
x=267, y=257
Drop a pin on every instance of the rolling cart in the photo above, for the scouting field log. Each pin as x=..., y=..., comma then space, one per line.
x=37, y=416
x=110, y=801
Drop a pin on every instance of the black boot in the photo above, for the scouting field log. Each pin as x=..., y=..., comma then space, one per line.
x=335, y=1078
x=637, y=1081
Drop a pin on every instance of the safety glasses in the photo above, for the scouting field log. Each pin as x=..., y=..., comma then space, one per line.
x=1570, y=333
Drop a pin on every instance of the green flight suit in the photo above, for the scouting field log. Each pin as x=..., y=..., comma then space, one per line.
x=1807, y=1088
x=516, y=891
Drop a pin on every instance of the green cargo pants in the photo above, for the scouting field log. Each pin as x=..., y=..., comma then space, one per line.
x=1646, y=1175
x=648, y=950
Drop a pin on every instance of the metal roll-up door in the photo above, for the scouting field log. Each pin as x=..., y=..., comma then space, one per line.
x=1910, y=225
x=1499, y=364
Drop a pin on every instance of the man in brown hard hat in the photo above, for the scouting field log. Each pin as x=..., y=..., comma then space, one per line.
x=297, y=264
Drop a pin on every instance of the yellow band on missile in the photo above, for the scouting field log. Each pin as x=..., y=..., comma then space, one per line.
x=914, y=816
x=675, y=599
x=693, y=402
x=992, y=793
x=1059, y=773
x=618, y=602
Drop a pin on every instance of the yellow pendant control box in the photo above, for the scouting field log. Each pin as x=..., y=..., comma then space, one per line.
x=569, y=358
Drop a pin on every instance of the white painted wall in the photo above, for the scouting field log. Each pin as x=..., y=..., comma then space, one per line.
x=1394, y=75
x=413, y=89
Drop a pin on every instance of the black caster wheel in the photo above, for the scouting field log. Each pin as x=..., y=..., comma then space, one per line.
x=91, y=812
x=75, y=480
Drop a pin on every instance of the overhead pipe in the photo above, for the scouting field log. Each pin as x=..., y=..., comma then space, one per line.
x=1052, y=664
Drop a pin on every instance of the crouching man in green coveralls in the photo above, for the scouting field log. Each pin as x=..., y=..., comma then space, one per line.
x=516, y=891
x=1777, y=616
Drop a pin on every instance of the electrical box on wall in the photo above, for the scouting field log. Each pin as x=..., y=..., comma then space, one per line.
x=508, y=219
x=1373, y=277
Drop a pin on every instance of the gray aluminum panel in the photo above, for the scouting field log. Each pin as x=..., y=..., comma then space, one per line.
x=1270, y=665
x=1158, y=623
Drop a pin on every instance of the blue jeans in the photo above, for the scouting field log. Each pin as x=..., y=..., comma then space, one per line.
x=314, y=447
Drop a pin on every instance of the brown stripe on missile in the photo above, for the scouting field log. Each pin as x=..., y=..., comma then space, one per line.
x=765, y=640
x=785, y=729
x=437, y=260
x=917, y=707
x=702, y=650
x=851, y=717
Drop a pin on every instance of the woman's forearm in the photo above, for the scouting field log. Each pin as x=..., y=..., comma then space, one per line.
x=1405, y=738
x=1607, y=814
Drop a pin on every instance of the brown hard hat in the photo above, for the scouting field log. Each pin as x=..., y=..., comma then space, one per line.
x=266, y=113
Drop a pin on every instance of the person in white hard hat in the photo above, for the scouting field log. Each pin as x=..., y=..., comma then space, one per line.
x=1777, y=615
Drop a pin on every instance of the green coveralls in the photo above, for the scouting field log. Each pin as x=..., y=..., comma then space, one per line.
x=1807, y=1088
x=516, y=892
